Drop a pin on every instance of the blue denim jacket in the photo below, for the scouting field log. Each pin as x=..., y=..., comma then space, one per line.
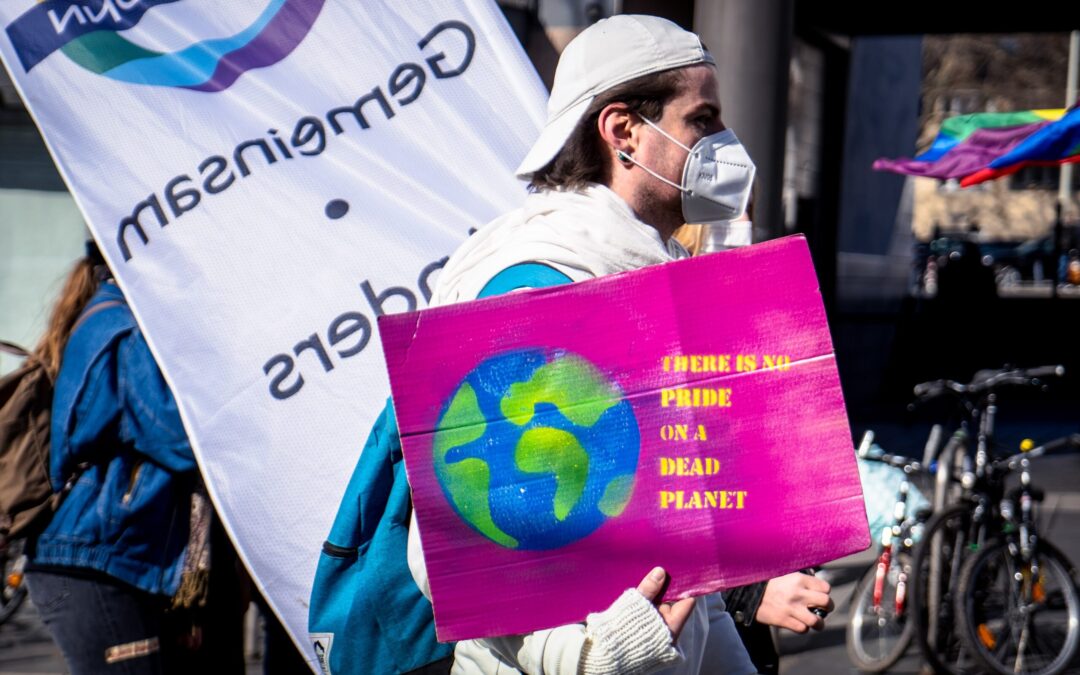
x=115, y=424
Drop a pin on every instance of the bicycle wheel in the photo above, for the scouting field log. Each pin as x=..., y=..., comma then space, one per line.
x=1019, y=617
x=878, y=637
x=933, y=581
x=12, y=584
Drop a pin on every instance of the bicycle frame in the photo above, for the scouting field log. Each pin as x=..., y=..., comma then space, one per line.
x=896, y=536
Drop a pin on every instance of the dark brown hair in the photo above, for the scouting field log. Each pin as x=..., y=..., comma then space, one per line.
x=582, y=159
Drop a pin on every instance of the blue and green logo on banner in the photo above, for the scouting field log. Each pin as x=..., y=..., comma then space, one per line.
x=89, y=33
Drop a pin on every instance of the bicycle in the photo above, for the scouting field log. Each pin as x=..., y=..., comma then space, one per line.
x=879, y=630
x=13, y=583
x=958, y=530
x=1017, y=592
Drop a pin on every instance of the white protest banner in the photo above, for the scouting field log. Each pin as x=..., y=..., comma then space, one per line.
x=265, y=178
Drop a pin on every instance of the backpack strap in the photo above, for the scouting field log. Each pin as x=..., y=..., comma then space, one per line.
x=91, y=311
x=523, y=275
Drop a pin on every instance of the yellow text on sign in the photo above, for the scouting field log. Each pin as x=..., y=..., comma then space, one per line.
x=689, y=466
x=702, y=499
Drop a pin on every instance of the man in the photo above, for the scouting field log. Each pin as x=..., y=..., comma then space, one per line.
x=783, y=602
x=634, y=146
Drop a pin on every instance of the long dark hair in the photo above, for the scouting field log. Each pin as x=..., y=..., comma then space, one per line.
x=79, y=286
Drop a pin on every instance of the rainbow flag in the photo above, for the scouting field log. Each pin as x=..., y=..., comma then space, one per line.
x=976, y=152
x=956, y=130
x=967, y=143
x=1054, y=144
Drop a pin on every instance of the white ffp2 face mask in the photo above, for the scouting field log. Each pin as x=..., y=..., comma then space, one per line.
x=717, y=177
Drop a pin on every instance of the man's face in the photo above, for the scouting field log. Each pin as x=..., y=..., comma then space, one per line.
x=692, y=114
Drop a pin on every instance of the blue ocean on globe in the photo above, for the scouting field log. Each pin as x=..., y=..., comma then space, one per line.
x=536, y=449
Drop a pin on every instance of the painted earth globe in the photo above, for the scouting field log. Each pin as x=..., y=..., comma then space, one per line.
x=536, y=449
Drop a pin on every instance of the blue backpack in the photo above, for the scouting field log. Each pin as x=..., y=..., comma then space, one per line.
x=367, y=614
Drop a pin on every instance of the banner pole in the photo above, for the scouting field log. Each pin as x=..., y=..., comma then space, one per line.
x=1065, y=184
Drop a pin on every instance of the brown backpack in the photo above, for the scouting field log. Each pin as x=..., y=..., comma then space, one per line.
x=27, y=498
x=26, y=495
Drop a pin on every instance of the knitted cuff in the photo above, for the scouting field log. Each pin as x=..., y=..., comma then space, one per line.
x=630, y=637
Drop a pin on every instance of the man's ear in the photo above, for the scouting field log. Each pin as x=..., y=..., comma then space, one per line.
x=617, y=126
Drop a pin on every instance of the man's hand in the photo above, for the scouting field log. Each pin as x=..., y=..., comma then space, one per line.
x=673, y=613
x=788, y=599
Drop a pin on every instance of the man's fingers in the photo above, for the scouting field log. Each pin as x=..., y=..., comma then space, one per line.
x=676, y=614
x=794, y=625
x=677, y=611
x=652, y=584
x=815, y=599
x=831, y=606
x=816, y=584
x=810, y=619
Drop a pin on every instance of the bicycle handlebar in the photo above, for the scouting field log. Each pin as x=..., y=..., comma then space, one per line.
x=1046, y=371
x=1010, y=463
x=908, y=464
x=988, y=380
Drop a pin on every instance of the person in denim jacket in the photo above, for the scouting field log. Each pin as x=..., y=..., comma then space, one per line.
x=103, y=570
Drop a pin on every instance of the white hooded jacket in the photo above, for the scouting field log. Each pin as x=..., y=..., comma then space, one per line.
x=583, y=234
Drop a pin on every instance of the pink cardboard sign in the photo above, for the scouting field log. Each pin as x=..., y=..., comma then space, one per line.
x=561, y=442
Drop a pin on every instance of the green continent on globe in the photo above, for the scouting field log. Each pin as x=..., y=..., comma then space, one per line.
x=548, y=450
x=536, y=449
x=469, y=479
x=571, y=384
x=616, y=496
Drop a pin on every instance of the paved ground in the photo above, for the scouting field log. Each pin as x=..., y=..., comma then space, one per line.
x=25, y=647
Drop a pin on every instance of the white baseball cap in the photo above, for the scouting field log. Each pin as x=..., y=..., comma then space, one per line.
x=604, y=55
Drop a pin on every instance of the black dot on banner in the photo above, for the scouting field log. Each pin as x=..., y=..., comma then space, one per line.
x=336, y=208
